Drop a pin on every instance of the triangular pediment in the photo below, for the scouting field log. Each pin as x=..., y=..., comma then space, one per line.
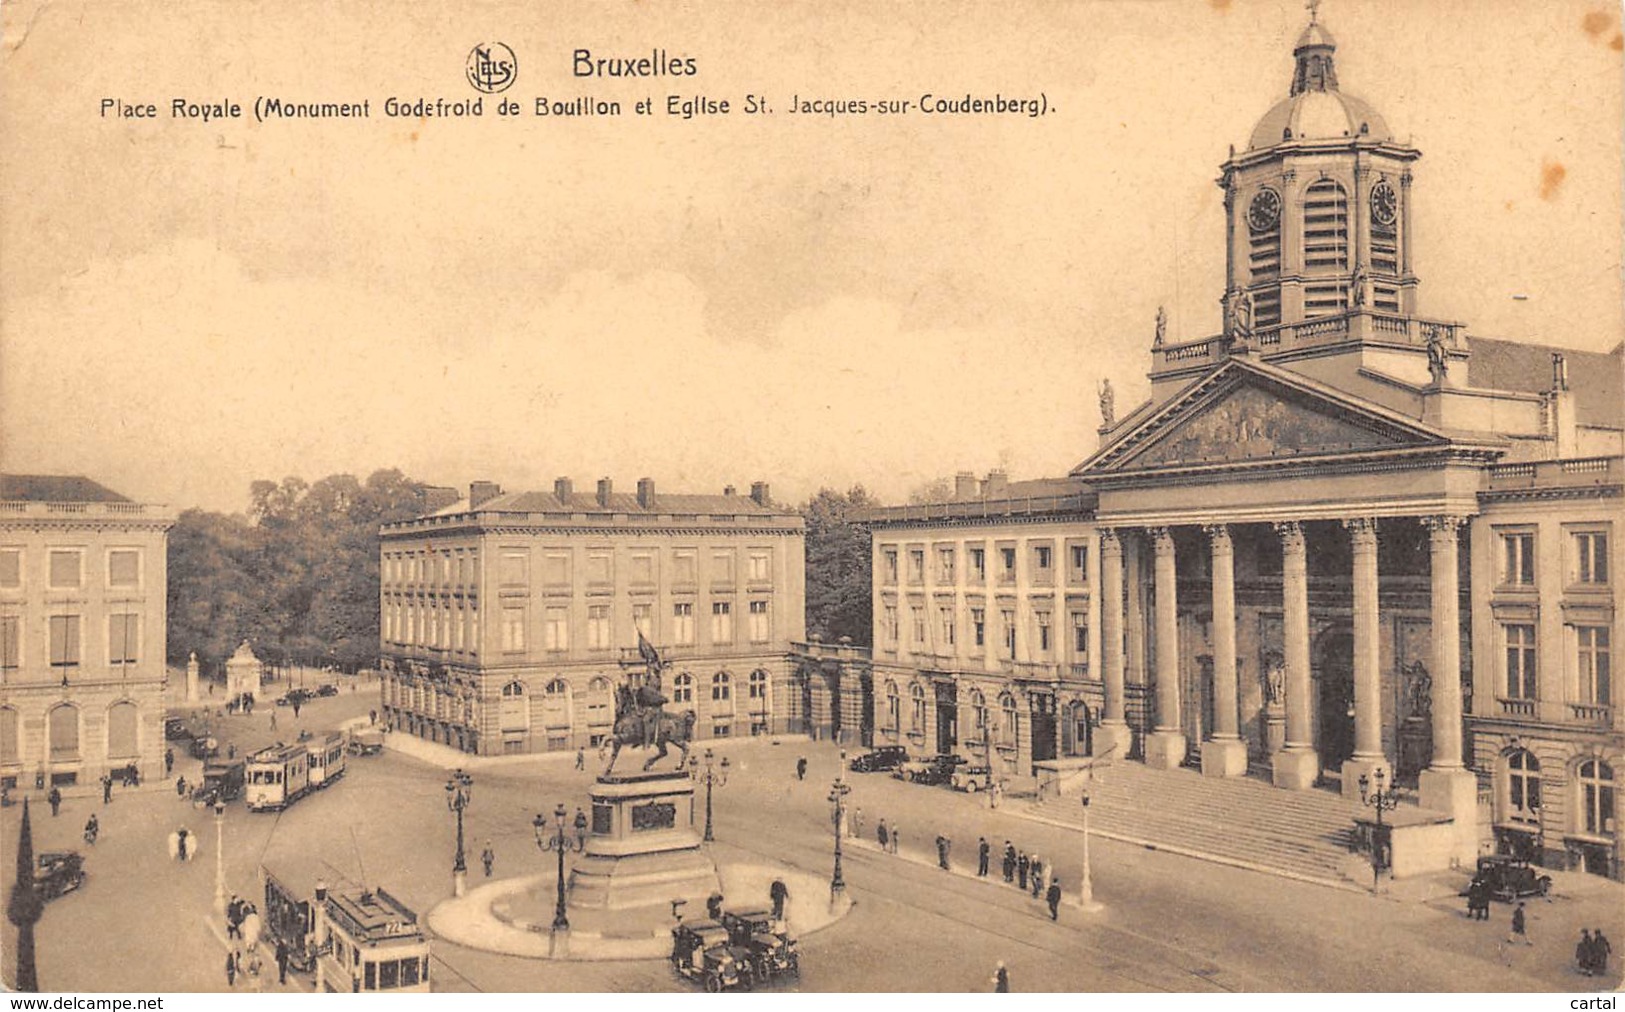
x=1245, y=413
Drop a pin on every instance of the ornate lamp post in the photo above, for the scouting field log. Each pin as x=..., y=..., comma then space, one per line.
x=557, y=839
x=459, y=792
x=219, y=857
x=1086, y=895
x=712, y=777
x=1382, y=801
x=837, y=799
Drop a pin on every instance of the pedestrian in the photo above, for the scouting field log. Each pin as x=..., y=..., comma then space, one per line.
x=713, y=906
x=1036, y=873
x=1600, y=950
x=169, y=760
x=180, y=843
x=855, y=822
x=581, y=760
x=1520, y=928
x=1584, y=953
x=273, y=720
x=281, y=961
x=55, y=798
x=1053, y=895
x=581, y=828
x=180, y=787
x=1009, y=862
x=231, y=969
x=1001, y=979
x=801, y=768
x=896, y=839
x=372, y=718
x=231, y=751
x=778, y=892
x=488, y=857
x=995, y=794
x=1023, y=863
x=884, y=836
x=107, y=788
x=943, y=843
x=983, y=852
x=92, y=829
x=253, y=969
x=234, y=918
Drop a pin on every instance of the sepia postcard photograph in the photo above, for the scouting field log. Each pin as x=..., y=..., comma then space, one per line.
x=1081, y=496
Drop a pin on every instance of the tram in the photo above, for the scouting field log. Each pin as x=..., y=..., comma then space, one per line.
x=278, y=775
x=326, y=753
x=368, y=941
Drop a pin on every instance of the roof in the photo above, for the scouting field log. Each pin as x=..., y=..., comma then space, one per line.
x=1594, y=377
x=664, y=504
x=1036, y=496
x=1319, y=115
x=54, y=488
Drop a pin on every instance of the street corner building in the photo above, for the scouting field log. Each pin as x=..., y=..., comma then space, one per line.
x=83, y=601
x=1339, y=539
x=509, y=618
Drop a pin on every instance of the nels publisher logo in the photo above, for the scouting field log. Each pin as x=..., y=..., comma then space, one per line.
x=491, y=67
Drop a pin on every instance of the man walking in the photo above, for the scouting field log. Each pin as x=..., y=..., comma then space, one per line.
x=983, y=851
x=884, y=836
x=778, y=892
x=1009, y=862
x=1600, y=950
x=1037, y=874
x=281, y=961
x=231, y=969
x=1001, y=979
x=488, y=857
x=856, y=823
x=896, y=838
x=107, y=788
x=55, y=798
x=1022, y=864
x=581, y=828
x=1054, y=898
x=942, y=852
x=1520, y=928
x=801, y=768
x=581, y=760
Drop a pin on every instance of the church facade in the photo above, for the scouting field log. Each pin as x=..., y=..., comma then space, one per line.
x=1341, y=539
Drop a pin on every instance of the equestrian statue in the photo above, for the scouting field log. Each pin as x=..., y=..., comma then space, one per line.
x=641, y=719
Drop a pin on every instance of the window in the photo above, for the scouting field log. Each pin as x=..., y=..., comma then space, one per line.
x=1008, y=715
x=978, y=621
x=643, y=570
x=514, y=567
x=891, y=623
x=916, y=709
x=67, y=568
x=1043, y=558
x=64, y=643
x=63, y=727
x=121, y=731
x=598, y=569
x=1596, y=815
x=722, y=622
x=721, y=688
x=761, y=567
x=889, y=565
x=945, y=565
x=11, y=568
x=9, y=736
x=945, y=617
x=1591, y=557
x=513, y=629
x=11, y=628
x=916, y=565
x=1520, y=646
x=1523, y=787
x=598, y=627
x=1594, y=663
x=1007, y=565
x=682, y=688
x=682, y=623
x=759, y=625
x=683, y=569
x=978, y=564
x=124, y=567
x=555, y=629
x=123, y=639
x=758, y=685
x=1042, y=620
x=894, y=708
x=643, y=618
x=1080, y=634
x=918, y=614
x=722, y=569
x=978, y=709
x=1518, y=555
x=1009, y=618
x=1325, y=227
x=1078, y=564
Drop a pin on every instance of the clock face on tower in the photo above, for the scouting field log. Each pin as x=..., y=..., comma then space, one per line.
x=1264, y=211
x=1383, y=203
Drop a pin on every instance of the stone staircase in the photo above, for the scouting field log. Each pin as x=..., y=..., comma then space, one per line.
x=1242, y=821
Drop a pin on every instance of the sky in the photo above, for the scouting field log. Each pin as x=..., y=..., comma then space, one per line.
x=809, y=300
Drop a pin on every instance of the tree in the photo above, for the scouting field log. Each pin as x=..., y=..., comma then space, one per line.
x=214, y=600
x=838, y=566
x=25, y=906
x=935, y=490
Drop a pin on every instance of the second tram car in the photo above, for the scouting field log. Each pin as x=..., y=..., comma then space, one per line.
x=278, y=775
x=326, y=754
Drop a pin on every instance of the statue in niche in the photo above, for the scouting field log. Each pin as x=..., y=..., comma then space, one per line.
x=1274, y=678
x=1418, y=690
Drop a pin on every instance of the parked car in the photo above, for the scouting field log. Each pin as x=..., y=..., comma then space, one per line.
x=367, y=741
x=972, y=779
x=771, y=952
x=59, y=872
x=204, y=747
x=701, y=951
x=886, y=757
x=175, y=729
x=327, y=690
x=287, y=698
x=936, y=769
x=1511, y=878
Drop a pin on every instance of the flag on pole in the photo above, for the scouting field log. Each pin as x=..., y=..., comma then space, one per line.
x=646, y=650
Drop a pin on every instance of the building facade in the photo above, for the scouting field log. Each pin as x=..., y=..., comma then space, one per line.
x=508, y=619
x=83, y=607
x=1338, y=538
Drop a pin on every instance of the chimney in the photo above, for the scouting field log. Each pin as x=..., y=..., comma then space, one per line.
x=606, y=488
x=729, y=490
x=997, y=485
x=758, y=493
x=646, y=493
x=966, y=486
x=482, y=492
x=563, y=489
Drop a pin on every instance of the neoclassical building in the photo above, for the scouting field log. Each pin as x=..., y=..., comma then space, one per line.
x=1339, y=536
x=508, y=619
x=83, y=606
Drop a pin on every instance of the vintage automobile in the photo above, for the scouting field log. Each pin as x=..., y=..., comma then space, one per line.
x=886, y=757
x=222, y=781
x=204, y=747
x=701, y=951
x=1511, y=878
x=367, y=741
x=972, y=779
x=59, y=872
x=937, y=769
x=175, y=729
x=771, y=952
x=327, y=690
x=288, y=698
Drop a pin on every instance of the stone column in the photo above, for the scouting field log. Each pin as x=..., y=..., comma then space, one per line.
x=1165, y=748
x=1225, y=754
x=1114, y=730
x=1368, y=755
x=1446, y=786
x=1296, y=766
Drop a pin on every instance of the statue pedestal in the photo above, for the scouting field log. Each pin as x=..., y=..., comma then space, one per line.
x=643, y=850
x=1274, y=728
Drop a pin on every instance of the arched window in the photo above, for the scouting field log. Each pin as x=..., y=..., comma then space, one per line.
x=916, y=709
x=513, y=689
x=121, y=731
x=1008, y=715
x=515, y=710
x=600, y=702
x=9, y=728
x=682, y=688
x=556, y=715
x=1596, y=782
x=978, y=709
x=894, y=708
x=63, y=725
x=1523, y=787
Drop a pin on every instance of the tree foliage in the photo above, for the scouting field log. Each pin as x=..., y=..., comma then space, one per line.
x=838, y=566
x=297, y=577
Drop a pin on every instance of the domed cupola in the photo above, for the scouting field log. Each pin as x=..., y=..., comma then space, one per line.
x=1315, y=109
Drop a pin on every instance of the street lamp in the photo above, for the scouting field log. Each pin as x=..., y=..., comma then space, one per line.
x=557, y=839
x=219, y=857
x=1087, y=893
x=712, y=777
x=1383, y=801
x=837, y=798
x=459, y=792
